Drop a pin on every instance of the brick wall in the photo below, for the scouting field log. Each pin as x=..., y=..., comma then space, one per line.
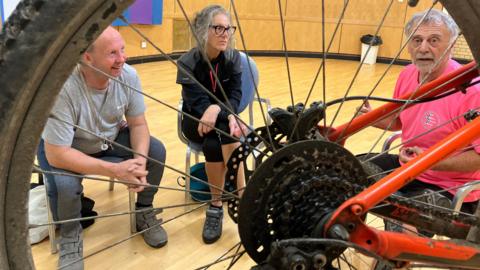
x=461, y=49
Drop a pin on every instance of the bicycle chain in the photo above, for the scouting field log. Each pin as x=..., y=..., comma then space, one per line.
x=241, y=155
x=291, y=196
x=436, y=212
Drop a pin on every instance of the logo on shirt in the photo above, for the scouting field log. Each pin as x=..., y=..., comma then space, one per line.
x=429, y=120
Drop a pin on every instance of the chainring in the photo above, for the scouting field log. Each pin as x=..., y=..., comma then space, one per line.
x=291, y=191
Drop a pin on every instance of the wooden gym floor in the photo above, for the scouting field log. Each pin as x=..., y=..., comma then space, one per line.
x=185, y=249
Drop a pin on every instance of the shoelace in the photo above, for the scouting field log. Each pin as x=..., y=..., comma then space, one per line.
x=213, y=222
x=151, y=218
x=71, y=248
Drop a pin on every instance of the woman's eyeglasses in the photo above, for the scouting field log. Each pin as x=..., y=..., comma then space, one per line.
x=220, y=29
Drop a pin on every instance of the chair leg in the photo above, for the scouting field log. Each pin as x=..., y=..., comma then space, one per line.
x=474, y=232
x=187, y=177
x=197, y=158
x=131, y=204
x=111, y=184
x=250, y=114
x=51, y=228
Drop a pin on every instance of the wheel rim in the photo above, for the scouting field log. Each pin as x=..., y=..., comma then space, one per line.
x=17, y=189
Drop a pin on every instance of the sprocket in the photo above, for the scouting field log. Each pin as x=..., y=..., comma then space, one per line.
x=291, y=191
x=268, y=139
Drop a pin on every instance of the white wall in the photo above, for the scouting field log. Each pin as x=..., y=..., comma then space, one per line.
x=7, y=8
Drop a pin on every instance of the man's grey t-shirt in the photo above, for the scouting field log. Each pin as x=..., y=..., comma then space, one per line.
x=103, y=117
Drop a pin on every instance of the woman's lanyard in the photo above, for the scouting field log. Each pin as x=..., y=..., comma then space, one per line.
x=212, y=80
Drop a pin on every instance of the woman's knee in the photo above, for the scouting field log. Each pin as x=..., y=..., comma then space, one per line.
x=212, y=149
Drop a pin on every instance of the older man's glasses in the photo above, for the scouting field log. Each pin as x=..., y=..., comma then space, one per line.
x=220, y=29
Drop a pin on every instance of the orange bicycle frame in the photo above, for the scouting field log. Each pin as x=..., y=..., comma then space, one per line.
x=397, y=246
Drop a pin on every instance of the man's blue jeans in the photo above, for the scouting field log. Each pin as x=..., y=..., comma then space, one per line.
x=64, y=192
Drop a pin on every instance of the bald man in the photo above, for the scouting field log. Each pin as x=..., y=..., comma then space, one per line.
x=93, y=101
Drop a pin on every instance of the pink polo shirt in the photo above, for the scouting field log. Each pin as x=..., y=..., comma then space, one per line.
x=425, y=116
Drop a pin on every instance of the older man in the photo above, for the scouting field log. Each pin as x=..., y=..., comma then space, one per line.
x=430, y=50
x=92, y=101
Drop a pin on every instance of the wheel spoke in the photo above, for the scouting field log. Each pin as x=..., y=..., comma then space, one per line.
x=404, y=107
x=388, y=68
x=147, y=157
x=202, y=50
x=285, y=51
x=320, y=67
x=236, y=246
x=159, y=209
x=32, y=14
x=324, y=58
x=418, y=136
x=221, y=260
x=177, y=110
x=130, y=237
x=360, y=65
x=257, y=93
x=344, y=259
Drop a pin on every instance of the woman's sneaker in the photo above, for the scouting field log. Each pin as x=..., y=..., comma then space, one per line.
x=212, y=229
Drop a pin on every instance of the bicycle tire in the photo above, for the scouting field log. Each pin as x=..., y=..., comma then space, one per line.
x=39, y=46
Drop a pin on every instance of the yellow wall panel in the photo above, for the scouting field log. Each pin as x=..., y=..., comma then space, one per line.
x=312, y=10
x=370, y=12
x=257, y=9
x=260, y=35
x=421, y=6
x=168, y=8
x=351, y=34
x=182, y=37
x=307, y=36
x=155, y=33
x=260, y=22
x=192, y=7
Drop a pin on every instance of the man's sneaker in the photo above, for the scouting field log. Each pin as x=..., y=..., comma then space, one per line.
x=155, y=236
x=212, y=229
x=71, y=251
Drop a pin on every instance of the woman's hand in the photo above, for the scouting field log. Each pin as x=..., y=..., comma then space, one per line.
x=208, y=120
x=237, y=128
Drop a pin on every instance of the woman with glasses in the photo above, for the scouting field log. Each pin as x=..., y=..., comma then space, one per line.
x=216, y=66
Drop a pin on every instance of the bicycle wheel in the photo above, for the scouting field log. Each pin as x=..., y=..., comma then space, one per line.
x=52, y=34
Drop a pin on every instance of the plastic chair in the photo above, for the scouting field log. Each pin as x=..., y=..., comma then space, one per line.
x=248, y=88
x=42, y=159
x=461, y=192
x=248, y=99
